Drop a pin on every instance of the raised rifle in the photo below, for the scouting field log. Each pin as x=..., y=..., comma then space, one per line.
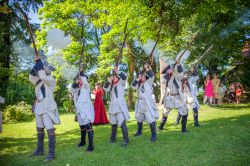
x=150, y=59
x=28, y=26
x=176, y=62
x=119, y=58
x=195, y=64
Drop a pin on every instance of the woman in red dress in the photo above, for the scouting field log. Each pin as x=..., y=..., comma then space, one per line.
x=100, y=111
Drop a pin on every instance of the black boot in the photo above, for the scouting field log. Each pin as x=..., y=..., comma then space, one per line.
x=153, y=131
x=52, y=145
x=184, y=123
x=125, y=134
x=177, y=119
x=163, y=121
x=90, y=137
x=113, y=133
x=195, y=114
x=83, y=136
x=40, y=141
x=139, y=130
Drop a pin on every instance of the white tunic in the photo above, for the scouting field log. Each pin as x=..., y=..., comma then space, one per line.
x=83, y=104
x=45, y=104
x=174, y=97
x=118, y=103
x=145, y=100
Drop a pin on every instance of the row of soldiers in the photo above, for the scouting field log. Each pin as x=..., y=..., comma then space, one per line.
x=179, y=94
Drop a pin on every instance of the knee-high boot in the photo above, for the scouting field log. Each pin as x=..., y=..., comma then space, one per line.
x=195, y=114
x=52, y=145
x=113, y=133
x=90, y=137
x=125, y=134
x=178, y=118
x=163, y=121
x=40, y=142
x=83, y=136
x=139, y=129
x=153, y=131
x=184, y=123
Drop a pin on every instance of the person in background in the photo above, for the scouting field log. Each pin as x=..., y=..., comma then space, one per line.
x=100, y=111
x=232, y=94
x=238, y=92
x=216, y=85
x=208, y=92
x=222, y=92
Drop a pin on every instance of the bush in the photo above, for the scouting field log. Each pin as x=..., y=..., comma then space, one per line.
x=17, y=113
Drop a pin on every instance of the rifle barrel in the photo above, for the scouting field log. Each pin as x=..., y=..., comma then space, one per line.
x=123, y=43
x=28, y=26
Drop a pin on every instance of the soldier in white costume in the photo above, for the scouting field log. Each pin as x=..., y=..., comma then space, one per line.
x=145, y=108
x=118, y=110
x=190, y=94
x=173, y=95
x=45, y=107
x=84, y=109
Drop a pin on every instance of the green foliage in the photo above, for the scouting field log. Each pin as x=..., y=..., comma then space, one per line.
x=21, y=112
x=19, y=89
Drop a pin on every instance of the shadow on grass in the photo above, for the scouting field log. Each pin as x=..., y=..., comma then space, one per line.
x=215, y=142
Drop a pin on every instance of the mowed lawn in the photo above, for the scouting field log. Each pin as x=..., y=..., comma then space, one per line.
x=222, y=139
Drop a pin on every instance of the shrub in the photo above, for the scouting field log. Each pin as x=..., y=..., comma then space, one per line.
x=17, y=113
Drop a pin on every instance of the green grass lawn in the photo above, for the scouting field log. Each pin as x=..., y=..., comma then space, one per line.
x=222, y=139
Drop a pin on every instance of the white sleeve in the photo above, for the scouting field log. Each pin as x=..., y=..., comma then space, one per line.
x=47, y=79
x=33, y=79
x=85, y=83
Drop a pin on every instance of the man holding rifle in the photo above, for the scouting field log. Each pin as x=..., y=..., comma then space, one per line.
x=145, y=108
x=190, y=94
x=173, y=95
x=118, y=110
x=45, y=107
x=84, y=109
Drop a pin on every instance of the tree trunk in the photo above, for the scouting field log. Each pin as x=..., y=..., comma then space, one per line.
x=131, y=69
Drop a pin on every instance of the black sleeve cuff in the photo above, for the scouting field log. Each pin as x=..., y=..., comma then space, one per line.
x=74, y=85
x=39, y=65
x=150, y=73
x=106, y=85
x=165, y=69
x=166, y=76
x=134, y=83
x=33, y=72
x=122, y=76
x=179, y=69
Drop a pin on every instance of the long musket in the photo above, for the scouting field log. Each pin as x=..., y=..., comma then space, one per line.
x=190, y=71
x=177, y=61
x=123, y=44
x=150, y=60
x=28, y=26
x=83, y=43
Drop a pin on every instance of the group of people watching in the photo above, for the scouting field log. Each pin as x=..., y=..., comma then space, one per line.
x=235, y=92
x=215, y=91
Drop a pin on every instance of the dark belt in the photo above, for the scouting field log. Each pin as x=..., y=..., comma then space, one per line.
x=175, y=94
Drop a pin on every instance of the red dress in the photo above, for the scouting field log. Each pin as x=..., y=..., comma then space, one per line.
x=100, y=111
